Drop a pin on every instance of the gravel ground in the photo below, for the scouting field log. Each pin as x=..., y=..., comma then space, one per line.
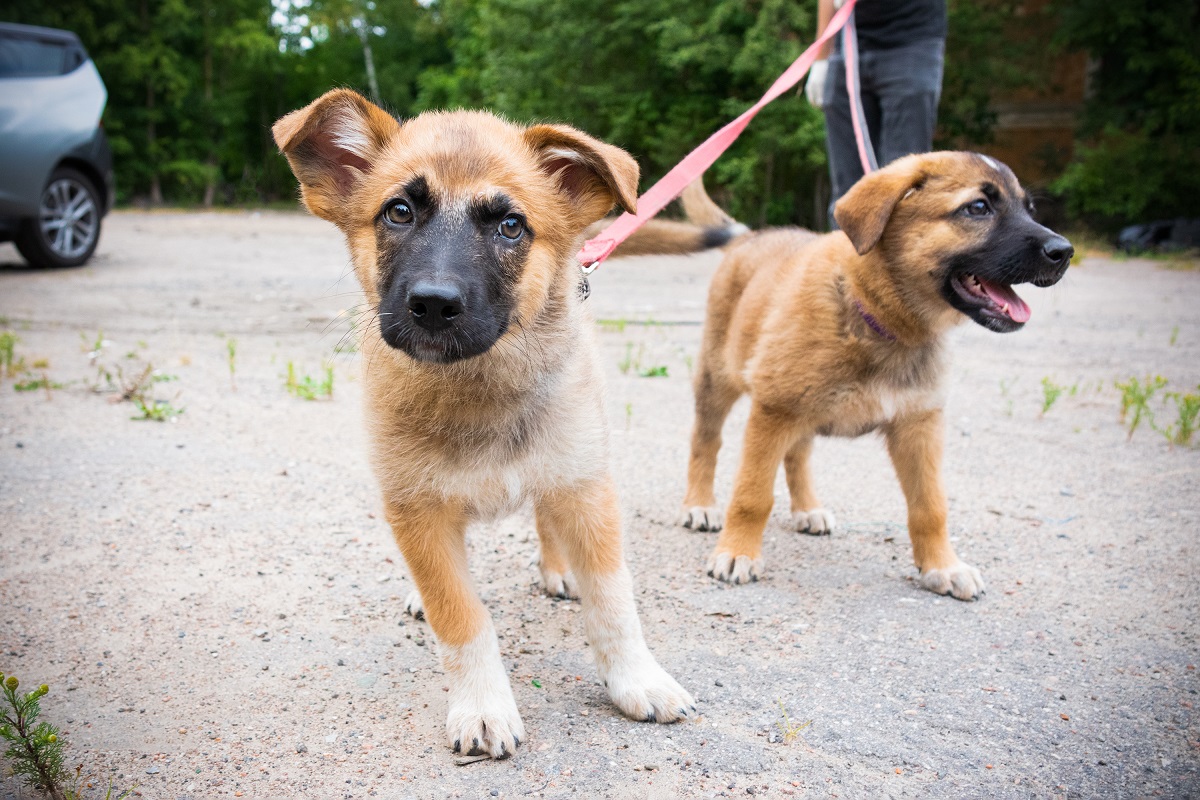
x=215, y=601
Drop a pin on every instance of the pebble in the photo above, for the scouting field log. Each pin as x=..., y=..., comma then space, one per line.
x=152, y=771
x=301, y=748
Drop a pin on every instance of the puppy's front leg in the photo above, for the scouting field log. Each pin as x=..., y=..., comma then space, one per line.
x=587, y=521
x=737, y=558
x=483, y=715
x=915, y=445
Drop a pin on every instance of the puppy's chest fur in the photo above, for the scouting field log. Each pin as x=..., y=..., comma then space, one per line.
x=490, y=445
x=853, y=391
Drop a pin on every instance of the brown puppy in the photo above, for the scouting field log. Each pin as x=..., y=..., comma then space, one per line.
x=481, y=379
x=841, y=335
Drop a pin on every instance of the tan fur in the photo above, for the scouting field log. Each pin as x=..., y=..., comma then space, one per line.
x=466, y=441
x=783, y=326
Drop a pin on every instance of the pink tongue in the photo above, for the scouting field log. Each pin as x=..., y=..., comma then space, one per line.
x=1007, y=299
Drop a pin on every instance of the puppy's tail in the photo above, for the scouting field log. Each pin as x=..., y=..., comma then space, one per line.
x=707, y=226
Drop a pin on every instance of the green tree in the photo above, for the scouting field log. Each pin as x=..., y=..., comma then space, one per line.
x=1138, y=155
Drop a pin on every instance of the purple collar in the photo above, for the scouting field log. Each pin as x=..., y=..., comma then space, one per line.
x=874, y=323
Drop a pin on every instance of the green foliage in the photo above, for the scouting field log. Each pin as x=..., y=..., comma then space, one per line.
x=992, y=47
x=10, y=365
x=1135, y=398
x=231, y=351
x=1187, y=420
x=34, y=752
x=306, y=386
x=1051, y=391
x=1140, y=157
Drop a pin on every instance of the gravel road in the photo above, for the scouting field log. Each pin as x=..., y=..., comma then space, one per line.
x=216, y=601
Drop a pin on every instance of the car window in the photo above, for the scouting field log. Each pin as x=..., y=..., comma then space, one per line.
x=26, y=57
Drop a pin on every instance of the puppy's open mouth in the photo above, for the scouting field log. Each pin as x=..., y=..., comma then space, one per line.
x=990, y=298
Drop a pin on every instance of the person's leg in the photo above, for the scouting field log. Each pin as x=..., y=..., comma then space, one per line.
x=908, y=82
x=844, y=166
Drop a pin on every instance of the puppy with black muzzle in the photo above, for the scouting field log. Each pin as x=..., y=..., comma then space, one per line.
x=481, y=379
x=841, y=335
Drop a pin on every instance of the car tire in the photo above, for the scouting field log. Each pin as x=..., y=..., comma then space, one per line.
x=67, y=228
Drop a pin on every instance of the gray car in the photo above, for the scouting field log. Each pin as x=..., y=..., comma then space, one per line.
x=56, y=179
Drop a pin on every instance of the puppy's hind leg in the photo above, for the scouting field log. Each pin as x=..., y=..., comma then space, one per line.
x=557, y=578
x=807, y=515
x=483, y=715
x=587, y=521
x=714, y=398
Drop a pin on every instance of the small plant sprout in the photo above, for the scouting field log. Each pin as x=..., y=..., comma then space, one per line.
x=1006, y=385
x=628, y=415
x=308, y=387
x=654, y=372
x=1135, y=400
x=231, y=349
x=1051, y=391
x=789, y=730
x=612, y=325
x=34, y=752
x=8, y=345
x=1174, y=335
x=1187, y=418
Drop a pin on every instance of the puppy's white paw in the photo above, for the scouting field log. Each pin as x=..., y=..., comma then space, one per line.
x=644, y=691
x=959, y=580
x=818, y=521
x=414, y=605
x=734, y=569
x=702, y=518
x=492, y=727
x=559, y=584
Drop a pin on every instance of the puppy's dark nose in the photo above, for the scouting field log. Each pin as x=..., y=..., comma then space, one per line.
x=1058, y=251
x=434, y=306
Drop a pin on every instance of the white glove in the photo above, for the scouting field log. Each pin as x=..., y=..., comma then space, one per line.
x=814, y=89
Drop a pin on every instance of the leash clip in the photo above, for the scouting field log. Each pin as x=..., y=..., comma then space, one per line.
x=588, y=269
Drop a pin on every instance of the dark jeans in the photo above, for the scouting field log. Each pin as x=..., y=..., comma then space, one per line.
x=900, y=91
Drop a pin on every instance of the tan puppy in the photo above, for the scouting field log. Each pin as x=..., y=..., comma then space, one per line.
x=481, y=379
x=841, y=335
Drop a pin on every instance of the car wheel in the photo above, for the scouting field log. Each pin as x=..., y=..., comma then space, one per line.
x=67, y=228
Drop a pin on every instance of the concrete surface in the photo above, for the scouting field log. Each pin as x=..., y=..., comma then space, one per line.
x=216, y=601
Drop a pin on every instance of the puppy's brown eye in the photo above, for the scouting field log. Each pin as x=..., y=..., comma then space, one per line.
x=398, y=213
x=512, y=228
x=977, y=208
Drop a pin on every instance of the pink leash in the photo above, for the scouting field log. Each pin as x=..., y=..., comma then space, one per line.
x=696, y=162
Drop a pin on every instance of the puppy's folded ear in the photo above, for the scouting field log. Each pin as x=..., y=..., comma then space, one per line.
x=863, y=212
x=596, y=176
x=331, y=144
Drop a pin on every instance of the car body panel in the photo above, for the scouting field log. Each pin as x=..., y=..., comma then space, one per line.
x=49, y=115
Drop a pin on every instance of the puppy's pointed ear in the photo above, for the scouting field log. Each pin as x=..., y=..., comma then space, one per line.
x=864, y=211
x=596, y=176
x=331, y=144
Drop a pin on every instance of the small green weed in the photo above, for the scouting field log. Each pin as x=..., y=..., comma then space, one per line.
x=788, y=729
x=612, y=325
x=8, y=346
x=631, y=360
x=1187, y=419
x=1174, y=335
x=1051, y=391
x=654, y=372
x=628, y=415
x=34, y=752
x=231, y=350
x=536, y=683
x=1135, y=398
x=1006, y=385
x=43, y=382
x=308, y=387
